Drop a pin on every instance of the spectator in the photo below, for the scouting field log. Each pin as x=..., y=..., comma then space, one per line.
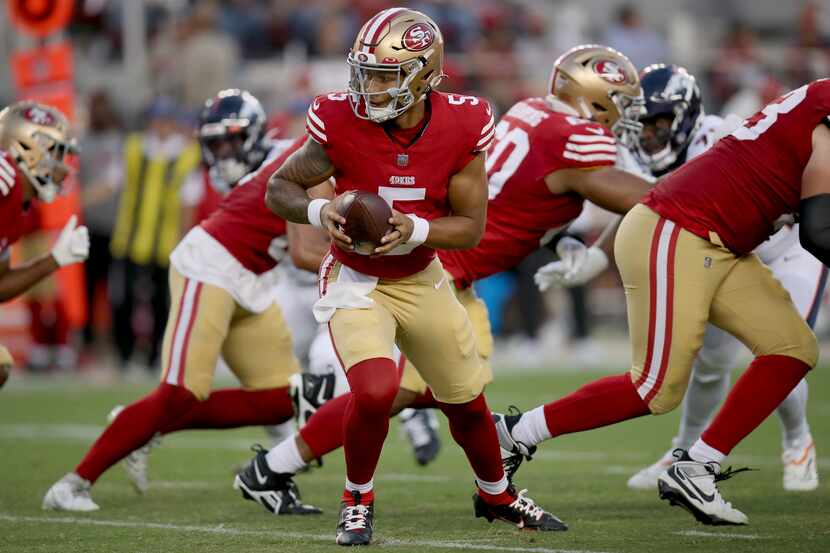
x=738, y=65
x=633, y=38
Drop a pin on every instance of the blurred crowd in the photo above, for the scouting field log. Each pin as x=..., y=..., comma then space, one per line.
x=286, y=51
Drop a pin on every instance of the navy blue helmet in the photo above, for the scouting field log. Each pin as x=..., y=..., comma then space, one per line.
x=232, y=135
x=674, y=111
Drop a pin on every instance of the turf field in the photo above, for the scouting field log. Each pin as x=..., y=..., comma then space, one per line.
x=45, y=428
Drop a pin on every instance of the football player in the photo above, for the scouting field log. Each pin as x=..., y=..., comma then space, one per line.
x=34, y=140
x=676, y=130
x=391, y=133
x=222, y=282
x=684, y=255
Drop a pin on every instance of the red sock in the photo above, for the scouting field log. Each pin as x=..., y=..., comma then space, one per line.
x=756, y=394
x=365, y=498
x=423, y=401
x=471, y=426
x=134, y=427
x=235, y=407
x=324, y=431
x=374, y=384
x=602, y=402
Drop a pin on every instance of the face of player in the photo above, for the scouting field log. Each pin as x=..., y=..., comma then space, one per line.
x=656, y=134
x=377, y=83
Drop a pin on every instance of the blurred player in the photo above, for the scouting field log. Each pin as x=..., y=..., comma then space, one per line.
x=34, y=140
x=685, y=260
x=222, y=282
x=677, y=130
x=391, y=133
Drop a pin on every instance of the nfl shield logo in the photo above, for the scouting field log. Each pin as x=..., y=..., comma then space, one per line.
x=403, y=160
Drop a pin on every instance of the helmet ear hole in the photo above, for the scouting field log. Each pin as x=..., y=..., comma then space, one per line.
x=598, y=107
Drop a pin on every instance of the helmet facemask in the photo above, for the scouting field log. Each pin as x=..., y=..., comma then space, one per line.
x=42, y=163
x=370, y=82
x=627, y=127
x=228, y=149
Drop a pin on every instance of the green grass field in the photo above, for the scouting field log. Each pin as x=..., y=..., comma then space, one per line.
x=46, y=428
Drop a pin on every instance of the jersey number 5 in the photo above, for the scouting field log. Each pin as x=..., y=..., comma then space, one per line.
x=756, y=125
x=391, y=195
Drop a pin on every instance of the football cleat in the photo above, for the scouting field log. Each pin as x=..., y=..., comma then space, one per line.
x=308, y=393
x=356, y=522
x=70, y=493
x=136, y=463
x=800, y=473
x=277, y=492
x=523, y=512
x=421, y=427
x=513, y=452
x=694, y=486
x=646, y=479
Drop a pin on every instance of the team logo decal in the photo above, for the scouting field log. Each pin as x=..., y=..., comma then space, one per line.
x=39, y=116
x=609, y=71
x=362, y=57
x=419, y=36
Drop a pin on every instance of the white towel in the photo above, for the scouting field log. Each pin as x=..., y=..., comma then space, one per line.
x=350, y=291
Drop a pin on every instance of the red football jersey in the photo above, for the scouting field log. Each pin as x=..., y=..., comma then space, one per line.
x=244, y=225
x=210, y=200
x=533, y=139
x=12, y=225
x=413, y=179
x=740, y=186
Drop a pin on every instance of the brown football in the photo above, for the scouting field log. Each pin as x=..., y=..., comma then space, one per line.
x=367, y=219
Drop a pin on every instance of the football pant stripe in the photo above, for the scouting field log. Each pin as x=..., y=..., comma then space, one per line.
x=589, y=157
x=595, y=147
x=334, y=347
x=591, y=138
x=182, y=326
x=661, y=310
x=173, y=341
x=186, y=344
x=652, y=299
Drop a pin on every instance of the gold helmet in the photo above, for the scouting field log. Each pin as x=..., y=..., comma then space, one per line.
x=397, y=58
x=602, y=85
x=37, y=137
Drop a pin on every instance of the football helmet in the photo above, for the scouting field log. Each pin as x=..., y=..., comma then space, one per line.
x=232, y=136
x=37, y=137
x=601, y=84
x=670, y=92
x=396, y=59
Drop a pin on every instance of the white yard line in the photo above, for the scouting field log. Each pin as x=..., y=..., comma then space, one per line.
x=229, y=531
x=722, y=535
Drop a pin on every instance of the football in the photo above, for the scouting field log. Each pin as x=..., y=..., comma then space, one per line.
x=367, y=219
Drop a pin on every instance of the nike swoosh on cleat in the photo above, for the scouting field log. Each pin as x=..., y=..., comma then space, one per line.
x=261, y=479
x=700, y=495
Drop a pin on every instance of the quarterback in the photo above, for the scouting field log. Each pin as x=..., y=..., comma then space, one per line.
x=684, y=255
x=34, y=139
x=392, y=134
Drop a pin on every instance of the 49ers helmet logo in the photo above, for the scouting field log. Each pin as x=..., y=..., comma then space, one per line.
x=39, y=116
x=418, y=37
x=610, y=71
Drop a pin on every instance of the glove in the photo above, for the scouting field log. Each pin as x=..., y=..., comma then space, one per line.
x=72, y=245
x=577, y=265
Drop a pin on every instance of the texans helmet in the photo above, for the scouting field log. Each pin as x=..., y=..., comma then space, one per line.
x=671, y=94
x=232, y=136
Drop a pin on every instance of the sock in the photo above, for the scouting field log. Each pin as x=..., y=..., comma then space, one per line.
x=134, y=427
x=324, y=430
x=602, y=402
x=764, y=385
x=793, y=416
x=235, y=407
x=704, y=453
x=707, y=388
x=367, y=493
x=374, y=383
x=471, y=426
x=505, y=497
x=532, y=427
x=285, y=457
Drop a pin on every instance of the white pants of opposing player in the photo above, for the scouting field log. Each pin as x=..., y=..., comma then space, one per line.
x=804, y=277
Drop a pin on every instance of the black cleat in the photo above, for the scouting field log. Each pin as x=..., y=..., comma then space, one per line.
x=421, y=427
x=356, y=522
x=513, y=452
x=523, y=512
x=308, y=393
x=275, y=491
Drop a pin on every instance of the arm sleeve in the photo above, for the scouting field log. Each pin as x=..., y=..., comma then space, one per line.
x=814, y=228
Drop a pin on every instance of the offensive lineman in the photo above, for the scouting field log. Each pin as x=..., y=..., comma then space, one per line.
x=34, y=139
x=677, y=130
x=389, y=134
x=684, y=260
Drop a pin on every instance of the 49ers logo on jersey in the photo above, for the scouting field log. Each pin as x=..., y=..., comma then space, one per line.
x=39, y=116
x=609, y=71
x=418, y=37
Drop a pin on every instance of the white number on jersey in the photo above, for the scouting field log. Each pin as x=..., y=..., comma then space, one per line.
x=751, y=130
x=504, y=138
x=391, y=195
x=457, y=99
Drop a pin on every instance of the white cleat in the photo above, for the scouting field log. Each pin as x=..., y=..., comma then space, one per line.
x=646, y=479
x=800, y=473
x=136, y=463
x=693, y=486
x=70, y=493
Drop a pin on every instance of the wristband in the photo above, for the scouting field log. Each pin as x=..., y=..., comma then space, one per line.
x=314, y=209
x=420, y=232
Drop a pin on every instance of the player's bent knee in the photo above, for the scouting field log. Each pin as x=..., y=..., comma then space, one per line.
x=801, y=345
